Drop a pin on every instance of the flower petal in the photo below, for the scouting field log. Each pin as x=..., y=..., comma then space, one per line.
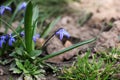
x=36, y=37
x=22, y=34
x=61, y=36
x=11, y=40
x=62, y=32
x=2, y=40
x=22, y=6
x=1, y=43
x=8, y=8
x=2, y=9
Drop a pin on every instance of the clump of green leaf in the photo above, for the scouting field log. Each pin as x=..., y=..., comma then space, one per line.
x=28, y=69
x=26, y=58
x=97, y=68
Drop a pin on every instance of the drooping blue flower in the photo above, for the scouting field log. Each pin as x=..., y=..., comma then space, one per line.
x=7, y=37
x=22, y=6
x=3, y=8
x=36, y=37
x=62, y=32
x=22, y=34
x=11, y=40
x=2, y=40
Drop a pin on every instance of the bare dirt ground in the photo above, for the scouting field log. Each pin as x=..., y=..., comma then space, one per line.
x=104, y=21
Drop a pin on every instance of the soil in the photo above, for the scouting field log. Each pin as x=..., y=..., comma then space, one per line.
x=5, y=74
x=103, y=21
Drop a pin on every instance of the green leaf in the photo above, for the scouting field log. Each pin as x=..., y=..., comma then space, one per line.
x=37, y=72
x=48, y=29
x=67, y=49
x=16, y=70
x=28, y=27
x=35, y=53
x=27, y=64
x=19, y=64
x=19, y=51
x=35, y=14
x=35, y=18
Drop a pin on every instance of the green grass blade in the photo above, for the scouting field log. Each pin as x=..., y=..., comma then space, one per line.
x=28, y=25
x=15, y=13
x=8, y=25
x=8, y=2
x=48, y=29
x=34, y=22
x=67, y=49
x=35, y=18
x=13, y=16
x=19, y=28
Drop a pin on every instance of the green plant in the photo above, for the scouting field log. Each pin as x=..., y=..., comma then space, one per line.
x=95, y=68
x=26, y=59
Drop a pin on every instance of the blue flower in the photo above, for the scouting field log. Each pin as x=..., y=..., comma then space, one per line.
x=22, y=6
x=62, y=32
x=7, y=37
x=11, y=40
x=2, y=40
x=22, y=34
x=36, y=37
x=3, y=8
